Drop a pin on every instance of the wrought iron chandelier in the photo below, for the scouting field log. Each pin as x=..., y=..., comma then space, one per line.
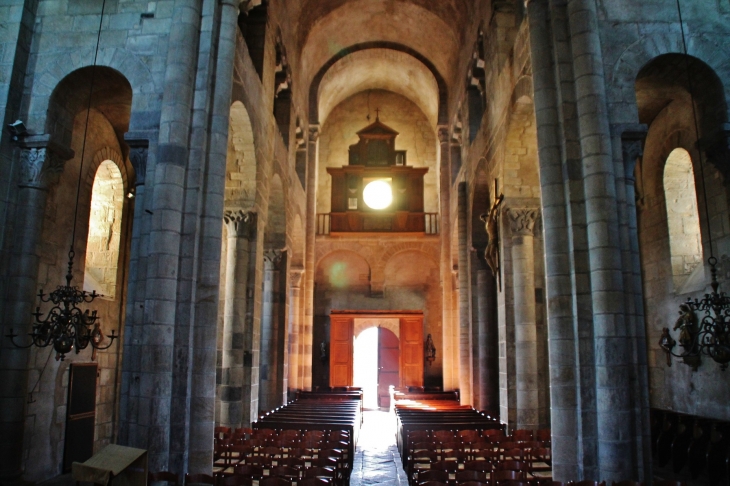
x=710, y=334
x=65, y=326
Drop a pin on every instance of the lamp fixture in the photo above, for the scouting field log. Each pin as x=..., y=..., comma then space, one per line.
x=710, y=335
x=65, y=326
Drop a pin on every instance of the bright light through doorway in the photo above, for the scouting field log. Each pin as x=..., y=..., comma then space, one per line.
x=365, y=366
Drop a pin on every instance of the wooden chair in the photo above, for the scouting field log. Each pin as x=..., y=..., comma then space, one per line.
x=315, y=482
x=443, y=435
x=541, y=460
x=249, y=470
x=286, y=472
x=522, y=435
x=500, y=478
x=171, y=479
x=493, y=434
x=292, y=461
x=468, y=436
x=512, y=465
x=319, y=472
x=544, y=436
x=433, y=483
x=474, y=483
x=627, y=482
x=432, y=475
x=467, y=475
x=515, y=453
x=478, y=465
x=221, y=432
x=199, y=479
x=235, y=481
x=275, y=481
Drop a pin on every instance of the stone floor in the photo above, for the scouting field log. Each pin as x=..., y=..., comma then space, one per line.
x=377, y=461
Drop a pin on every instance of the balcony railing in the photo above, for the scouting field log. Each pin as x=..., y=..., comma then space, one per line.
x=372, y=222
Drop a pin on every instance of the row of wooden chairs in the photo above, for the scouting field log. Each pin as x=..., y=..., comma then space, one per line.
x=313, y=478
x=470, y=436
x=450, y=470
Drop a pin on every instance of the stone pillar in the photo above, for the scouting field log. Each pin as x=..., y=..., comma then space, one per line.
x=270, y=355
x=488, y=340
x=450, y=346
x=311, y=231
x=617, y=456
x=631, y=150
x=465, y=348
x=295, y=323
x=130, y=335
x=522, y=224
x=41, y=163
x=238, y=227
x=158, y=359
x=573, y=430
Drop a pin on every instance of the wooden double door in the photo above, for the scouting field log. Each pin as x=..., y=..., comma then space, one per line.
x=400, y=358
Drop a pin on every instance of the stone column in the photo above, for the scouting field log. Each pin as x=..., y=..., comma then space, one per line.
x=573, y=457
x=522, y=224
x=295, y=323
x=130, y=335
x=41, y=163
x=269, y=363
x=465, y=348
x=632, y=148
x=617, y=455
x=158, y=360
x=311, y=231
x=488, y=340
x=449, y=329
x=238, y=228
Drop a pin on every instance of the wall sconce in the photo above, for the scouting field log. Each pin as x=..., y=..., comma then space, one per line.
x=430, y=353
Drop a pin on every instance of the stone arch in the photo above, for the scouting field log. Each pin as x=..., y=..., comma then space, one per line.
x=241, y=162
x=413, y=271
x=111, y=96
x=136, y=73
x=378, y=270
x=107, y=153
x=342, y=269
x=637, y=55
x=317, y=80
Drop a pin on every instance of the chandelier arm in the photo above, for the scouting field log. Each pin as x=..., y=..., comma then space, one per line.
x=112, y=338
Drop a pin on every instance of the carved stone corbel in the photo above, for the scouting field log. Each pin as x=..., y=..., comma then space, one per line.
x=138, y=149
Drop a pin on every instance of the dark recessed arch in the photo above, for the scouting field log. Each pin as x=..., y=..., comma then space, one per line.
x=314, y=86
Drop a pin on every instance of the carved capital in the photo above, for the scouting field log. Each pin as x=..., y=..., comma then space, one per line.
x=41, y=161
x=274, y=258
x=443, y=134
x=295, y=277
x=522, y=221
x=632, y=147
x=138, y=149
x=241, y=223
x=313, y=133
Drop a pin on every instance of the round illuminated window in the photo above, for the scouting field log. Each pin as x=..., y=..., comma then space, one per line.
x=377, y=195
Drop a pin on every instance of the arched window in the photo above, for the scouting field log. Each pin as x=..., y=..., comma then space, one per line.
x=683, y=221
x=105, y=228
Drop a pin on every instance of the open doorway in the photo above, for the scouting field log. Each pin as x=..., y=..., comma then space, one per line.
x=365, y=372
x=376, y=363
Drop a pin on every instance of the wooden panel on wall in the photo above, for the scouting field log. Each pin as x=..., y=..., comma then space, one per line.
x=411, y=350
x=341, y=341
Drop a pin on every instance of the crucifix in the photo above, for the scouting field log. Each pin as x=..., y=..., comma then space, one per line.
x=491, y=225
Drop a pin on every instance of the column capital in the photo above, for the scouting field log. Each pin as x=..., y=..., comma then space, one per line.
x=313, y=133
x=632, y=145
x=138, y=149
x=274, y=257
x=241, y=224
x=443, y=134
x=41, y=161
x=522, y=220
x=295, y=276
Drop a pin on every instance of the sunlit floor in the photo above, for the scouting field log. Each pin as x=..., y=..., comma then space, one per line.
x=377, y=461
